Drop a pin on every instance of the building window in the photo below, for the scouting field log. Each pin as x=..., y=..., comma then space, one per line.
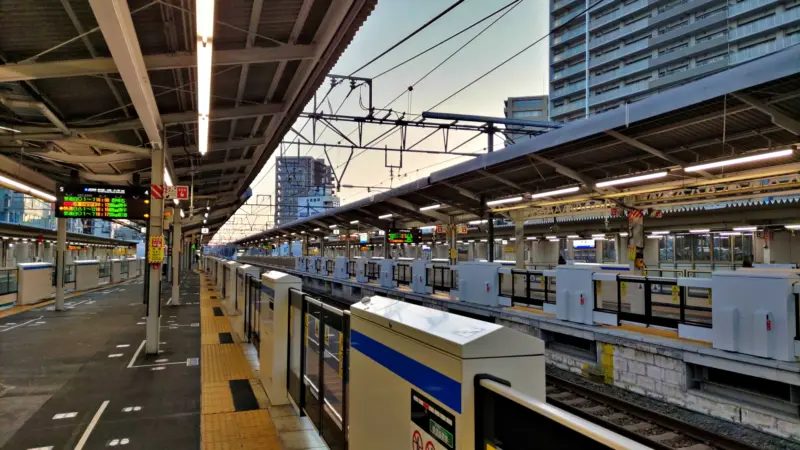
x=674, y=25
x=711, y=13
x=742, y=246
x=683, y=248
x=702, y=247
x=711, y=35
x=722, y=248
x=666, y=249
x=523, y=114
x=527, y=103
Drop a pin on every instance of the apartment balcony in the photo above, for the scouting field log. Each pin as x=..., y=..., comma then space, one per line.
x=618, y=14
x=618, y=53
x=569, y=89
x=623, y=71
x=563, y=56
x=566, y=37
x=564, y=19
x=557, y=5
x=569, y=71
x=568, y=108
x=623, y=91
x=764, y=25
x=621, y=33
x=748, y=6
x=765, y=48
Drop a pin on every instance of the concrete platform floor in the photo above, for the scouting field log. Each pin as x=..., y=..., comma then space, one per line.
x=79, y=379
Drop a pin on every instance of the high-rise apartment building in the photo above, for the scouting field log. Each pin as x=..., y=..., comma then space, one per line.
x=296, y=177
x=524, y=108
x=636, y=48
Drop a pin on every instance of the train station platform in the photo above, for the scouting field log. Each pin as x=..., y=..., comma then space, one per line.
x=80, y=378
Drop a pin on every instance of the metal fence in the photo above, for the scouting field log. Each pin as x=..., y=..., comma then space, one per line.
x=8, y=281
x=373, y=271
x=318, y=361
x=528, y=287
x=402, y=273
x=123, y=268
x=441, y=278
x=104, y=270
x=653, y=301
x=351, y=268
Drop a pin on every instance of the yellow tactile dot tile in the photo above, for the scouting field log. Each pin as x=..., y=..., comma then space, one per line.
x=215, y=324
x=223, y=362
x=238, y=426
x=216, y=398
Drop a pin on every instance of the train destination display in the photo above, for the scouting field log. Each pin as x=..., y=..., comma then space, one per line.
x=83, y=201
x=403, y=236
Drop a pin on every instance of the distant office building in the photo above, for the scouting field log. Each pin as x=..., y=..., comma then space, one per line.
x=636, y=48
x=299, y=177
x=524, y=108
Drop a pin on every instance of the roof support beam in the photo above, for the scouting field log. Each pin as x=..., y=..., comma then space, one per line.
x=464, y=192
x=778, y=118
x=564, y=170
x=502, y=180
x=209, y=167
x=116, y=23
x=167, y=61
x=408, y=206
x=655, y=152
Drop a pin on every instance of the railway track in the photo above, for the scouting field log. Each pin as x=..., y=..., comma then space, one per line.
x=647, y=427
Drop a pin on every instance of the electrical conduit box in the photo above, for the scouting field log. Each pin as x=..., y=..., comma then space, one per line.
x=412, y=373
x=87, y=274
x=340, y=268
x=116, y=273
x=274, y=333
x=34, y=282
x=575, y=294
x=479, y=282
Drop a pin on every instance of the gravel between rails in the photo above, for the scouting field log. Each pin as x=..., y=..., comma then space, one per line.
x=740, y=432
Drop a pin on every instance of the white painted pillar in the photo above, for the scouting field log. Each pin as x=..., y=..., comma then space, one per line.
x=156, y=226
x=176, y=256
x=61, y=248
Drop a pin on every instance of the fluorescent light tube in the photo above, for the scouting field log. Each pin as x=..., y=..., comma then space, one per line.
x=649, y=176
x=742, y=160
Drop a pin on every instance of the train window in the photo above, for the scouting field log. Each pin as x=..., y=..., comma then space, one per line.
x=683, y=248
x=742, y=246
x=702, y=247
x=722, y=248
x=609, y=250
x=666, y=249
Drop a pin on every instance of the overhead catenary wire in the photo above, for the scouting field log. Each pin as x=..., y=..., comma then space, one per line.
x=524, y=49
x=413, y=33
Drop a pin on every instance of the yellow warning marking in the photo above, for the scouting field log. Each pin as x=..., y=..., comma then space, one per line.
x=341, y=356
x=676, y=292
x=223, y=362
x=623, y=289
x=239, y=430
x=598, y=287
x=215, y=324
x=217, y=398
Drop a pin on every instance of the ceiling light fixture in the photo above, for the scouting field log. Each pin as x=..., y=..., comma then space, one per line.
x=503, y=201
x=25, y=189
x=745, y=228
x=700, y=231
x=742, y=160
x=430, y=207
x=205, y=32
x=556, y=192
x=385, y=216
x=649, y=176
x=353, y=222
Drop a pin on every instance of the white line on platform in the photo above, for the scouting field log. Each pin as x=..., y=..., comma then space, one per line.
x=20, y=325
x=141, y=346
x=91, y=426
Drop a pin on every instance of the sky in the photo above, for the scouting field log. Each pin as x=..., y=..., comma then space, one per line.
x=391, y=21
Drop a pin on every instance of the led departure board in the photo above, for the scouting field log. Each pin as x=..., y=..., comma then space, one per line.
x=403, y=236
x=82, y=201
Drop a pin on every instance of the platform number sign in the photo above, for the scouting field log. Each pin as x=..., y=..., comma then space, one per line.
x=432, y=427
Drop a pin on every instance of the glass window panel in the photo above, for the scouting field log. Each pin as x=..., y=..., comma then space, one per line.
x=530, y=103
x=683, y=248
x=722, y=248
x=702, y=247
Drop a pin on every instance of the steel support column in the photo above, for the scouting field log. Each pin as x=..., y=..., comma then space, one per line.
x=176, y=256
x=155, y=228
x=385, y=243
x=490, y=241
x=451, y=239
x=61, y=248
x=347, y=243
x=519, y=241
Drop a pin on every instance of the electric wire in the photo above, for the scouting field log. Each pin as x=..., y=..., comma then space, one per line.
x=413, y=33
x=526, y=48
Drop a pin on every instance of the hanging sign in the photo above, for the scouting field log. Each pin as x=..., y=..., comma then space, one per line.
x=462, y=229
x=156, y=249
x=86, y=201
x=177, y=192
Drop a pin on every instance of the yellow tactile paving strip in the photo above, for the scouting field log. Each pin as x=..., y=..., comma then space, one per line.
x=222, y=428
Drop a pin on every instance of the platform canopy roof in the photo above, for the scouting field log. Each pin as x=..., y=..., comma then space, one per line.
x=749, y=108
x=74, y=99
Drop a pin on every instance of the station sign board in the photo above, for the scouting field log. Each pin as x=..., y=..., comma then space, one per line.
x=583, y=243
x=204, y=230
x=87, y=201
x=156, y=249
x=404, y=236
x=177, y=192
